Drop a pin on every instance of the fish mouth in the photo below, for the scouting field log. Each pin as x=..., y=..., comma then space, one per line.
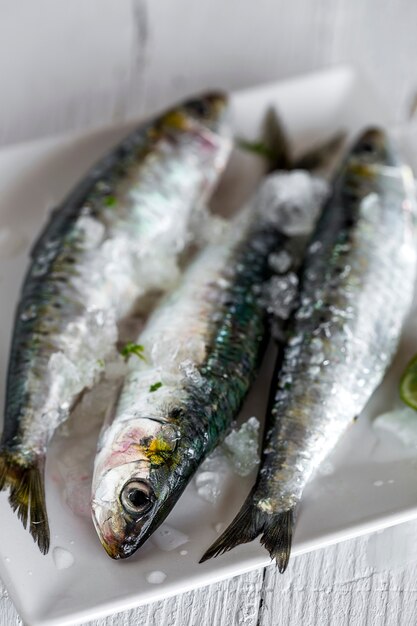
x=115, y=547
x=118, y=551
x=118, y=546
x=125, y=547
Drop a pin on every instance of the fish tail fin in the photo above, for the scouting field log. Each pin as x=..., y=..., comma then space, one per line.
x=277, y=537
x=25, y=481
x=246, y=526
x=275, y=528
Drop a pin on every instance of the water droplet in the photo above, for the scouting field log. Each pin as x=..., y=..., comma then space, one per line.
x=391, y=482
x=62, y=558
x=7, y=559
x=156, y=577
x=30, y=573
x=378, y=483
x=168, y=538
x=72, y=542
x=183, y=552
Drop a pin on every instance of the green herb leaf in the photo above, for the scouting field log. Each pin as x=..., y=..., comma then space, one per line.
x=110, y=201
x=257, y=147
x=133, y=348
x=155, y=387
x=100, y=362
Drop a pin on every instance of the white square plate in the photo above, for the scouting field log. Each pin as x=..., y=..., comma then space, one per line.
x=368, y=483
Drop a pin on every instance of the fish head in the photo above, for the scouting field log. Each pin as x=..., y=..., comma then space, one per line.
x=136, y=484
x=209, y=110
x=374, y=148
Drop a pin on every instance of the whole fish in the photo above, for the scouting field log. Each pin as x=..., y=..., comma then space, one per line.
x=116, y=236
x=202, y=347
x=356, y=287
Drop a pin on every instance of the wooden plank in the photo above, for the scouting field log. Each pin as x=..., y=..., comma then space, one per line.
x=369, y=581
x=8, y=613
x=233, y=602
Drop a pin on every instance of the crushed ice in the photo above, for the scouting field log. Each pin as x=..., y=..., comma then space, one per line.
x=238, y=452
x=279, y=295
x=280, y=262
x=291, y=201
x=400, y=422
x=241, y=447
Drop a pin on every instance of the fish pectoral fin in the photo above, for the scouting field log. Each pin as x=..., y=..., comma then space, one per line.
x=25, y=482
x=275, y=529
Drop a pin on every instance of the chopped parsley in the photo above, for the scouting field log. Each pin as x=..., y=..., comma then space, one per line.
x=100, y=362
x=110, y=201
x=155, y=387
x=256, y=147
x=133, y=348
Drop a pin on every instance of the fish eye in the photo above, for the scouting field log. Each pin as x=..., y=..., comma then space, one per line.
x=137, y=497
x=199, y=107
x=367, y=146
x=369, y=150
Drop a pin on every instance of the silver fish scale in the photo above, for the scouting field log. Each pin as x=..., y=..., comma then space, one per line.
x=343, y=343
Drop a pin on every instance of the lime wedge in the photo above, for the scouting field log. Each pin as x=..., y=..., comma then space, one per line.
x=408, y=384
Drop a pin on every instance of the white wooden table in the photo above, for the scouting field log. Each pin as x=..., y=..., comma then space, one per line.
x=81, y=64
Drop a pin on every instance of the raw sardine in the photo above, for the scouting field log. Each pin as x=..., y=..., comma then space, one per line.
x=202, y=347
x=116, y=236
x=356, y=287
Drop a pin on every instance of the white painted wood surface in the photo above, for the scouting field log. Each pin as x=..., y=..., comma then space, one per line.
x=75, y=65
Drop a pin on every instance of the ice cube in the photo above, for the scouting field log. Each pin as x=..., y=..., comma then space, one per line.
x=291, y=201
x=210, y=477
x=241, y=447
